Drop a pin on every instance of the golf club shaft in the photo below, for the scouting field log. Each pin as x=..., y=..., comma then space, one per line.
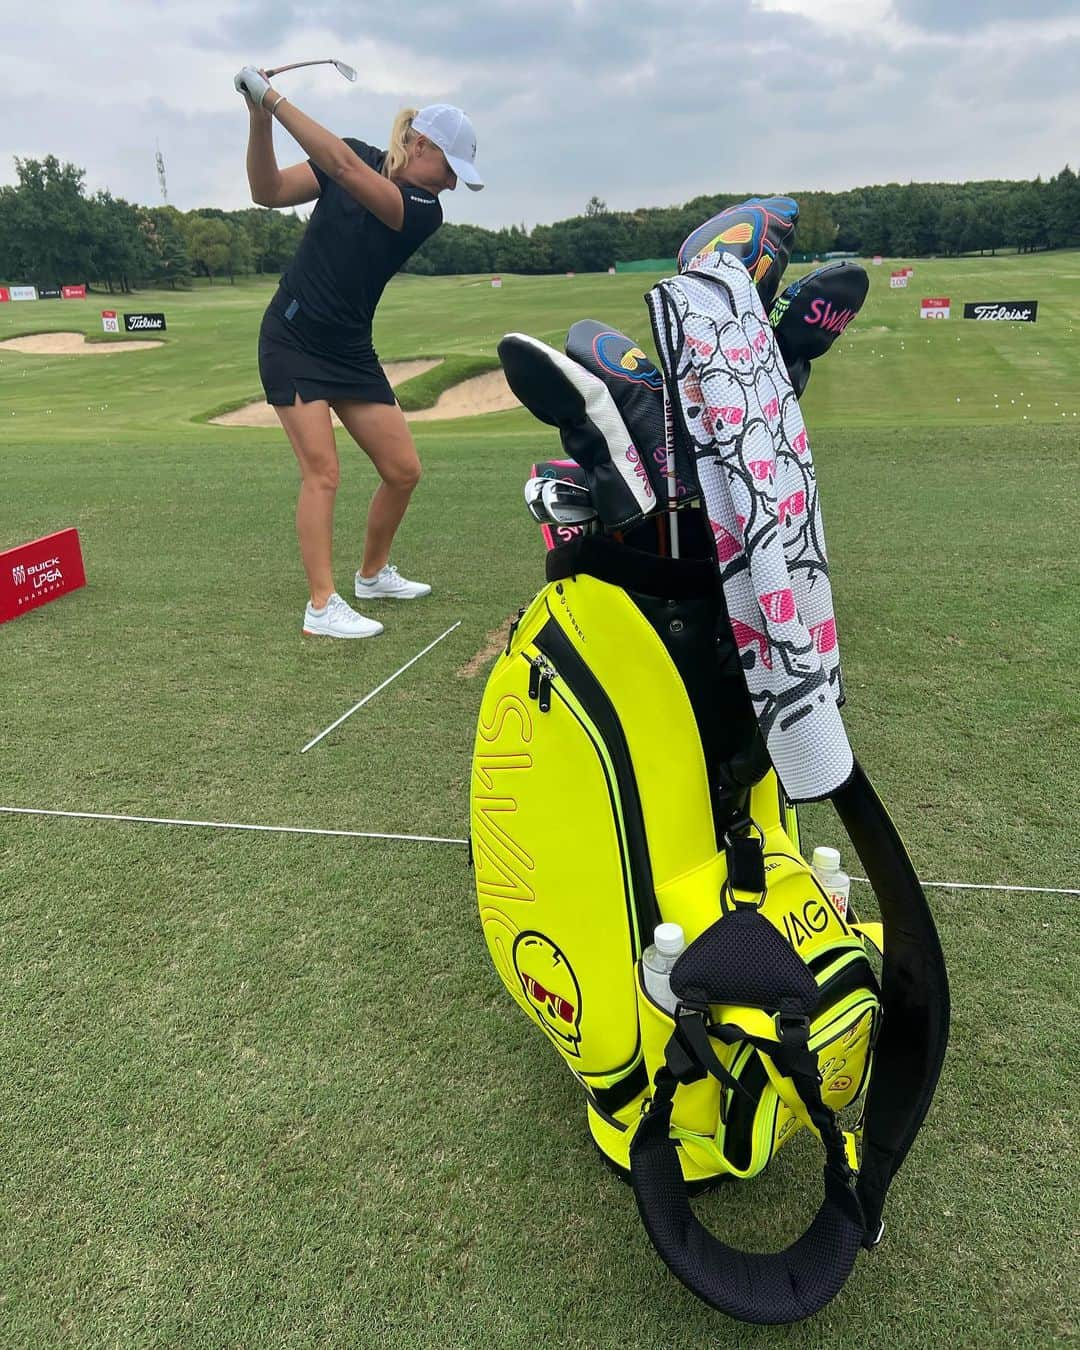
x=278, y=70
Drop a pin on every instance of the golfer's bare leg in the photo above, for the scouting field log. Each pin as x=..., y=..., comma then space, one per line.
x=380, y=430
x=311, y=436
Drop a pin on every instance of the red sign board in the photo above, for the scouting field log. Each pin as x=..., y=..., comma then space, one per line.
x=73, y=292
x=43, y=570
x=5, y=294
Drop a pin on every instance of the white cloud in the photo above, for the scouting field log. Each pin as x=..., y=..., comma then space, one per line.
x=569, y=99
x=874, y=16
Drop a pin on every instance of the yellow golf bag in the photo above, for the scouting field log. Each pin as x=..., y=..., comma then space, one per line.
x=619, y=707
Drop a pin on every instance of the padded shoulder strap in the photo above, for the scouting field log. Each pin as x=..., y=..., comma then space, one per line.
x=914, y=996
x=789, y=1285
x=759, y=1287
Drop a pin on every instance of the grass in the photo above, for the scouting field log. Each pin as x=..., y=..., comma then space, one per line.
x=266, y=1090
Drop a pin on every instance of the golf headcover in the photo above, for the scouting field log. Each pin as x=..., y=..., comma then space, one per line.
x=812, y=312
x=560, y=392
x=759, y=233
x=559, y=468
x=552, y=532
x=634, y=383
x=736, y=405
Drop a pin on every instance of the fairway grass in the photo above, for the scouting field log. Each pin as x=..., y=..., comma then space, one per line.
x=267, y=1090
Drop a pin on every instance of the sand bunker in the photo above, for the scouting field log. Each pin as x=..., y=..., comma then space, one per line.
x=262, y=415
x=483, y=394
x=70, y=344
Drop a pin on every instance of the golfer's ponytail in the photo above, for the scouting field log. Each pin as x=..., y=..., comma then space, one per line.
x=401, y=135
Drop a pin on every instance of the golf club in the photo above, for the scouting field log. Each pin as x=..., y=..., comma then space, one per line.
x=345, y=70
x=566, y=502
x=558, y=501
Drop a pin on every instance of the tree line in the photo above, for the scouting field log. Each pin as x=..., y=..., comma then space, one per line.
x=52, y=232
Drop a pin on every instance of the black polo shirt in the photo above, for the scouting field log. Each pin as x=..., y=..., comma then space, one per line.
x=347, y=255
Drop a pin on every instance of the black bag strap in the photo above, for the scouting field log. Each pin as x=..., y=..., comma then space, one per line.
x=760, y=1287
x=914, y=997
x=786, y=1286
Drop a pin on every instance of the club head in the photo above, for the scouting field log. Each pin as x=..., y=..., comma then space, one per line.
x=347, y=71
x=558, y=501
x=534, y=500
x=567, y=503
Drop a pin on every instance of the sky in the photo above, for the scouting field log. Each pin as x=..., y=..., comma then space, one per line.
x=570, y=98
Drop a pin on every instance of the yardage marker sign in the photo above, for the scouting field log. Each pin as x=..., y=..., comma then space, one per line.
x=43, y=570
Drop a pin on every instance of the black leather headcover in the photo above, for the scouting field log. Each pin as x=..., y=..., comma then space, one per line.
x=559, y=468
x=635, y=384
x=594, y=435
x=812, y=313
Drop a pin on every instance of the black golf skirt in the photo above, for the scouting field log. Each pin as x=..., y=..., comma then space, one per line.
x=316, y=361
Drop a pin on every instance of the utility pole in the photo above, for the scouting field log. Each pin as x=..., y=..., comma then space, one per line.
x=161, y=175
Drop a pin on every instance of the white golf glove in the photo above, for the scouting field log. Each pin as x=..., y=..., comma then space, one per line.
x=248, y=81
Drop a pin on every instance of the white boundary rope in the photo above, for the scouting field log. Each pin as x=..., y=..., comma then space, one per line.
x=985, y=886
x=228, y=825
x=368, y=697
x=436, y=839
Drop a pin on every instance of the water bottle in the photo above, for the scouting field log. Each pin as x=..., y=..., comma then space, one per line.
x=657, y=961
x=835, y=883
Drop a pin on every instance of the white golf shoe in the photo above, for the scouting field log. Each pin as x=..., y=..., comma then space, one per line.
x=389, y=584
x=339, y=620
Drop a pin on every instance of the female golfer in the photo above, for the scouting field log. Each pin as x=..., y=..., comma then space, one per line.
x=374, y=209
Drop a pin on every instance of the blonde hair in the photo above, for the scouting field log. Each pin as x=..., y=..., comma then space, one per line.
x=401, y=137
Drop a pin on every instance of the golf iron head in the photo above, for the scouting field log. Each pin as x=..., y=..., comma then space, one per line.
x=558, y=501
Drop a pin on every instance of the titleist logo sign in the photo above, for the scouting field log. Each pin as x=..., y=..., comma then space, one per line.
x=1003, y=311
x=134, y=323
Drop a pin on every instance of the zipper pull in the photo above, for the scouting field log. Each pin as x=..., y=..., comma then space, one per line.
x=547, y=678
x=534, y=677
x=513, y=629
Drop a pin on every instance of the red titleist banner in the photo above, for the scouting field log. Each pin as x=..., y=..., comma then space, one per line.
x=43, y=570
x=73, y=292
x=5, y=294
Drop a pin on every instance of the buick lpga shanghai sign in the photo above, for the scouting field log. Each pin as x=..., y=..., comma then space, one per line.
x=1003, y=311
x=143, y=323
x=43, y=570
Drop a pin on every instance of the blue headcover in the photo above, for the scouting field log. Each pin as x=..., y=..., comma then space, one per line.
x=759, y=233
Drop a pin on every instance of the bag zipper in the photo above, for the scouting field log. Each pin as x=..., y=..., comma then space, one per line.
x=559, y=661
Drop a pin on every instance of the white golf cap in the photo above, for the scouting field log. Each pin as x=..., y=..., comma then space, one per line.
x=453, y=133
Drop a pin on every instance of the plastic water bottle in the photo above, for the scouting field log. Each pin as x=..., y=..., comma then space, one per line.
x=836, y=883
x=657, y=961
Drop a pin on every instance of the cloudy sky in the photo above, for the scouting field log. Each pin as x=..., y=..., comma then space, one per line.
x=570, y=98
